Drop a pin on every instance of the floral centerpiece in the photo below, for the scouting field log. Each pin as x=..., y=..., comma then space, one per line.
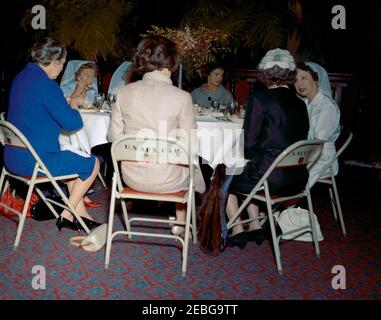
x=197, y=47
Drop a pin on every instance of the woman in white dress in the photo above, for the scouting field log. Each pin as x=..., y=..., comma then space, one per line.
x=312, y=84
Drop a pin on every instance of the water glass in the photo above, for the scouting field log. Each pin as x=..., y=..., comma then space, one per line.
x=111, y=98
x=99, y=99
x=215, y=105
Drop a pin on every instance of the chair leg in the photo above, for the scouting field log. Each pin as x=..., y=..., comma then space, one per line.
x=313, y=225
x=186, y=238
x=2, y=181
x=102, y=180
x=125, y=217
x=23, y=216
x=273, y=232
x=42, y=196
x=110, y=223
x=337, y=201
x=194, y=220
x=333, y=203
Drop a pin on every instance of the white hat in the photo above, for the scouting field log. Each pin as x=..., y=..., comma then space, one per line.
x=282, y=58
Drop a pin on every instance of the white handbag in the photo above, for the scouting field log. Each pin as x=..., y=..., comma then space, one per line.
x=94, y=241
x=293, y=218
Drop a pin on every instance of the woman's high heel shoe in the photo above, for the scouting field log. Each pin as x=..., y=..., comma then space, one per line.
x=65, y=223
x=257, y=235
x=91, y=224
x=239, y=239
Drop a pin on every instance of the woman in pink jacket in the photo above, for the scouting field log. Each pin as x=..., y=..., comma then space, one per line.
x=153, y=104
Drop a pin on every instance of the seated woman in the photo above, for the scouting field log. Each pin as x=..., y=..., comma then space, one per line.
x=149, y=104
x=82, y=88
x=82, y=83
x=312, y=83
x=212, y=90
x=39, y=110
x=275, y=118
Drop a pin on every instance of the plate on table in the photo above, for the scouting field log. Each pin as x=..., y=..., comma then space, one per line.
x=234, y=118
x=88, y=110
x=206, y=118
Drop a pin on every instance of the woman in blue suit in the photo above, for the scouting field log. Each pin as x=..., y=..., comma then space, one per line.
x=37, y=107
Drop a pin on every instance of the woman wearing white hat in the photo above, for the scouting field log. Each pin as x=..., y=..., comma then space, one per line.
x=312, y=84
x=275, y=118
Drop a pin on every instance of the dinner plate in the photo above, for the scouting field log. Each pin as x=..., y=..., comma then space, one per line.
x=235, y=119
x=89, y=110
x=206, y=119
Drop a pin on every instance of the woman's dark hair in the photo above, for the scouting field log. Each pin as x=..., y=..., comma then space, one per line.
x=155, y=53
x=88, y=65
x=302, y=66
x=47, y=50
x=208, y=69
x=276, y=75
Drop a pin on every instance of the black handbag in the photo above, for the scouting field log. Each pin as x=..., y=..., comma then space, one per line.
x=40, y=211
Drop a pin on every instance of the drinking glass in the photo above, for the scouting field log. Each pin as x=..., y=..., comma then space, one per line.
x=111, y=98
x=99, y=99
x=215, y=105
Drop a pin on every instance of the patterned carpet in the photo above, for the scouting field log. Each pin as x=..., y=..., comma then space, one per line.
x=140, y=272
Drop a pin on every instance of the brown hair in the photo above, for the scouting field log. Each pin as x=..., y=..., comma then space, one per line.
x=155, y=53
x=276, y=75
x=88, y=65
x=302, y=66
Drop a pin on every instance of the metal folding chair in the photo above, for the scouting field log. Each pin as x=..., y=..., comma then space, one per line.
x=10, y=135
x=327, y=177
x=151, y=150
x=301, y=153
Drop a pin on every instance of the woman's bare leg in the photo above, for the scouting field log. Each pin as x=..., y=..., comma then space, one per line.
x=77, y=189
x=180, y=216
x=253, y=212
x=231, y=208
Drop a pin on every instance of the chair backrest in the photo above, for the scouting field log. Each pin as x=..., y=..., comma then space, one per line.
x=341, y=144
x=117, y=79
x=300, y=153
x=12, y=136
x=149, y=150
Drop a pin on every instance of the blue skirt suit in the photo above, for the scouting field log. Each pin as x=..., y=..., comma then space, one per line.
x=39, y=110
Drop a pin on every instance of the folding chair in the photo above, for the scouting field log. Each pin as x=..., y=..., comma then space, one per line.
x=327, y=177
x=10, y=135
x=301, y=153
x=151, y=150
x=117, y=79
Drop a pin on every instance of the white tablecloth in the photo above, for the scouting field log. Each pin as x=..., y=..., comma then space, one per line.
x=95, y=125
x=219, y=141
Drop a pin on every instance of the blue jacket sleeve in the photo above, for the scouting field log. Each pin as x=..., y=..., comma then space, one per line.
x=58, y=108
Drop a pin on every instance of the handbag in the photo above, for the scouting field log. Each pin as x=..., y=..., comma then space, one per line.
x=94, y=241
x=11, y=201
x=294, y=218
